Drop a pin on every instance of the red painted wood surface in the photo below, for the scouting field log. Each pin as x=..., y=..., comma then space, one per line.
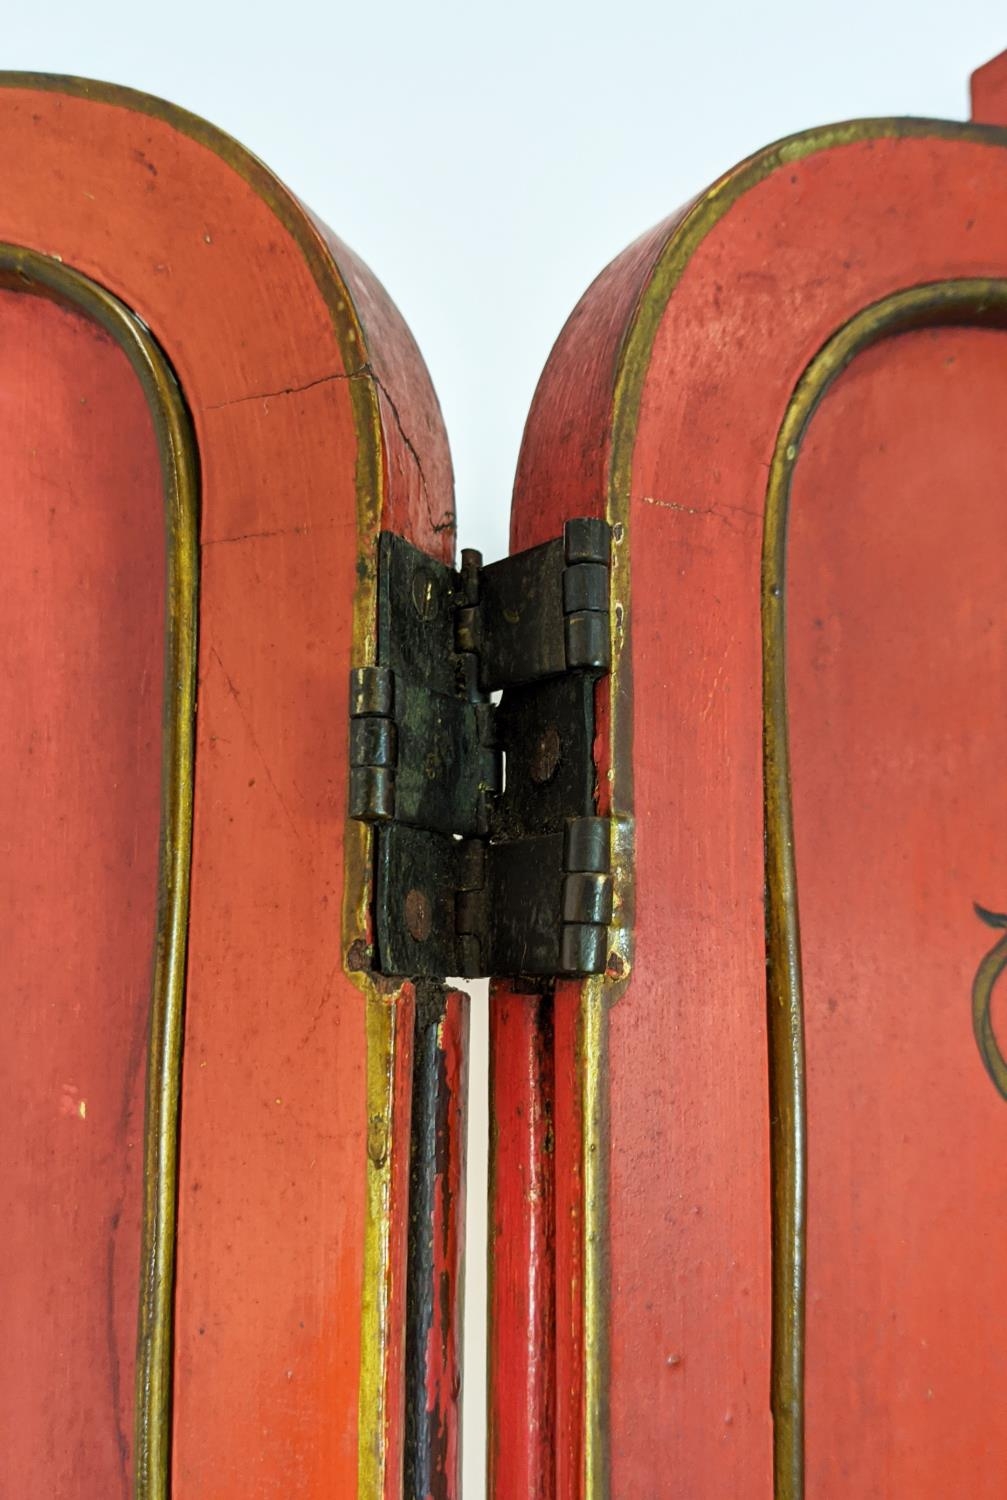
x=522, y=1317
x=269, y=342
x=898, y=682
x=81, y=621
x=392, y=1434
x=989, y=92
x=784, y=256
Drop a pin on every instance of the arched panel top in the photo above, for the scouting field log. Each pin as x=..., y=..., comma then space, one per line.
x=97, y=901
x=250, y=296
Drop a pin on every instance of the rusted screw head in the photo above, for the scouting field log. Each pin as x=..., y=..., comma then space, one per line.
x=545, y=756
x=418, y=915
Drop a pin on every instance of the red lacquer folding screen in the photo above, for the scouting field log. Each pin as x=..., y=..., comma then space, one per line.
x=730, y=843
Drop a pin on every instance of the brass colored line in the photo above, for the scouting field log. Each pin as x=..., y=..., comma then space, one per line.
x=597, y=997
x=27, y=271
x=954, y=303
x=989, y=971
x=593, y=1026
x=375, y=1398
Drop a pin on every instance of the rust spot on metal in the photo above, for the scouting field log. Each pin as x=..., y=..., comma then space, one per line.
x=358, y=957
x=377, y=1140
x=419, y=915
x=545, y=756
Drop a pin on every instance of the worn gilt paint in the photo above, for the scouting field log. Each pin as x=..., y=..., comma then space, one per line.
x=986, y=979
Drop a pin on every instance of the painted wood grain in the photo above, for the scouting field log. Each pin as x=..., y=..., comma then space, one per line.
x=897, y=718
x=522, y=1320
x=82, y=607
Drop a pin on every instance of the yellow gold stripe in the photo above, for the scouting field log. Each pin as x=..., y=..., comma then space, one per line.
x=593, y=1027
x=30, y=272
x=381, y=1018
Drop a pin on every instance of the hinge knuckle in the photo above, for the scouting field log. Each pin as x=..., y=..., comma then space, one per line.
x=373, y=742
x=585, y=586
x=471, y=867
x=587, y=550
x=372, y=794
x=373, y=745
x=586, y=539
x=372, y=691
x=587, y=895
x=468, y=574
x=587, y=641
x=587, y=898
x=587, y=845
x=467, y=629
x=583, y=950
x=490, y=858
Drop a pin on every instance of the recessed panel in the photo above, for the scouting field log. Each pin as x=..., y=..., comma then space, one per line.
x=897, y=676
x=82, y=607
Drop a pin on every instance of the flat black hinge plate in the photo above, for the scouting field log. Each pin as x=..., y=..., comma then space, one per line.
x=489, y=856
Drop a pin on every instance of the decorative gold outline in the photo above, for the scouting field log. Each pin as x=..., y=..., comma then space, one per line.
x=991, y=967
x=671, y=264
x=383, y=1045
x=29, y=272
x=593, y=1028
x=381, y=1006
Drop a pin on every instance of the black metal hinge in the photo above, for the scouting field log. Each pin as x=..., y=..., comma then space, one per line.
x=490, y=858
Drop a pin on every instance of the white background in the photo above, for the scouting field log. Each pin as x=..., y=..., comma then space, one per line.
x=488, y=161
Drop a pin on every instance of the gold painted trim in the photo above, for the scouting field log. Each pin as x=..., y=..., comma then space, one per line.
x=594, y=1009
x=671, y=264
x=948, y=303
x=987, y=974
x=27, y=271
x=371, y=485
x=383, y=1042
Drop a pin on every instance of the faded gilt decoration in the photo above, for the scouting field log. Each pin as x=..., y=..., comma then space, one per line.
x=987, y=974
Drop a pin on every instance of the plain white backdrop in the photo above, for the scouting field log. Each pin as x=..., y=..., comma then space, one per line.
x=487, y=161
